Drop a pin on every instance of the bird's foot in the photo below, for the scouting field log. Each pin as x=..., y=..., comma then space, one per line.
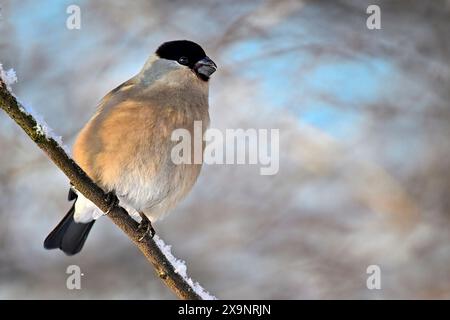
x=112, y=201
x=145, y=226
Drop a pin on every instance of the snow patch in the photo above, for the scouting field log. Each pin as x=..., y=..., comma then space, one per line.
x=181, y=269
x=42, y=128
x=9, y=77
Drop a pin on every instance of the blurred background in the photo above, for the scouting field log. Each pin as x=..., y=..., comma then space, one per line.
x=364, y=147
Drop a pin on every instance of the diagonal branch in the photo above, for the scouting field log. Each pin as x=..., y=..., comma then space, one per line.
x=155, y=251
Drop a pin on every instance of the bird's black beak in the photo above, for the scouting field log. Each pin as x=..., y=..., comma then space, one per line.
x=205, y=68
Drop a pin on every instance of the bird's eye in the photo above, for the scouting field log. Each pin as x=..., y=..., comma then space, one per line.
x=183, y=60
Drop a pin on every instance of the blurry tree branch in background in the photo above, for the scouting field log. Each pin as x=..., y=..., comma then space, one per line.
x=164, y=268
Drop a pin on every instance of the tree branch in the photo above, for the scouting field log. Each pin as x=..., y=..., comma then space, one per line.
x=182, y=286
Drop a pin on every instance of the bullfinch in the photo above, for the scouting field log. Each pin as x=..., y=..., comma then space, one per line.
x=126, y=146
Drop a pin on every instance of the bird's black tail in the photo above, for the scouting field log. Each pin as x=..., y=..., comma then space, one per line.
x=68, y=235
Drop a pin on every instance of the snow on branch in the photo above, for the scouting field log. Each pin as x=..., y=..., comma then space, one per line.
x=172, y=271
x=181, y=269
x=8, y=77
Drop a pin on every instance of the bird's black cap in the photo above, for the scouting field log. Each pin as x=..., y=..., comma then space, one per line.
x=184, y=51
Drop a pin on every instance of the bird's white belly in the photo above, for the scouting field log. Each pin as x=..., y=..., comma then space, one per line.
x=154, y=197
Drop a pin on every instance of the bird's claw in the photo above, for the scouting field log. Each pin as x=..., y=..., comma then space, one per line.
x=112, y=201
x=145, y=226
